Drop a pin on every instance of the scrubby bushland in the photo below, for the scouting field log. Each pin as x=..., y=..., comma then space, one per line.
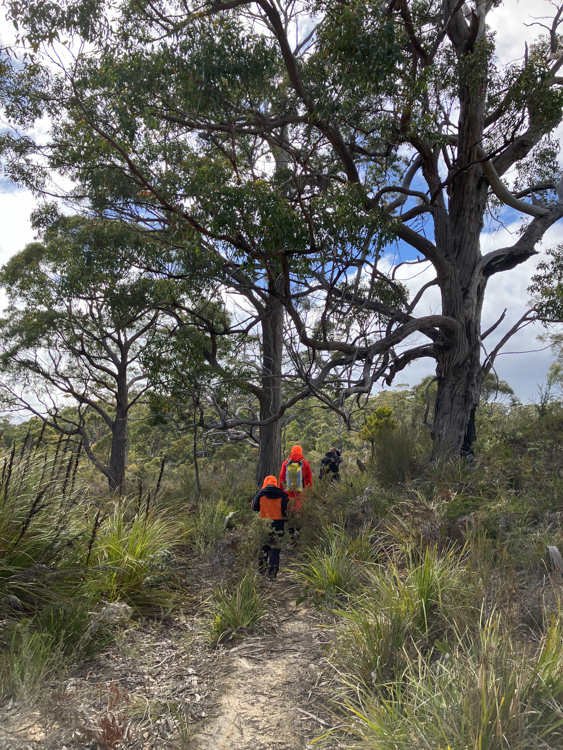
x=435, y=641
x=448, y=623
x=64, y=553
x=444, y=603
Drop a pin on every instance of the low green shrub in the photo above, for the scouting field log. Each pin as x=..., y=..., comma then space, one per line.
x=207, y=524
x=396, y=451
x=249, y=538
x=353, y=503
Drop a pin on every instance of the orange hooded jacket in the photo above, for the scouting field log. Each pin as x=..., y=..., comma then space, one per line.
x=296, y=454
x=271, y=502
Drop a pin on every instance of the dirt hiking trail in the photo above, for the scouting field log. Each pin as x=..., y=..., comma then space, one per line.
x=159, y=685
x=271, y=698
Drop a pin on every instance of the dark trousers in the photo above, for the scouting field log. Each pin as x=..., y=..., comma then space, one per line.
x=334, y=475
x=269, y=557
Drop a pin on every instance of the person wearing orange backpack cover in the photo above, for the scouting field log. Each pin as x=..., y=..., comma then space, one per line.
x=271, y=502
x=295, y=476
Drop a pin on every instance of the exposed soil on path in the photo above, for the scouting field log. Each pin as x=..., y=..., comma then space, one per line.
x=271, y=697
x=160, y=686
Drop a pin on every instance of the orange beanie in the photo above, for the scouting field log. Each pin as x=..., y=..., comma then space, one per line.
x=296, y=453
x=270, y=480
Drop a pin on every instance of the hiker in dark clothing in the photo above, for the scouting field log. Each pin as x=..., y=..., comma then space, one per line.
x=271, y=503
x=330, y=465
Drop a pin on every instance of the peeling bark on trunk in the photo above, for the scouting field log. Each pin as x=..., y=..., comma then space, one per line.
x=459, y=387
x=458, y=368
x=269, y=456
x=118, y=455
x=458, y=232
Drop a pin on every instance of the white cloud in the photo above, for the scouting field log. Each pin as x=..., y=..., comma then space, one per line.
x=508, y=22
x=15, y=208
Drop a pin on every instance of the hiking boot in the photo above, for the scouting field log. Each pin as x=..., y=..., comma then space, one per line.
x=272, y=575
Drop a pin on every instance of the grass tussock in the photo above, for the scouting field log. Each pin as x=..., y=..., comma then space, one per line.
x=131, y=559
x=236, y=608
x=481, y=694
x=334, y=569
x=34, y=651
x=40, y=522
x=207, y=525
x=404, y=608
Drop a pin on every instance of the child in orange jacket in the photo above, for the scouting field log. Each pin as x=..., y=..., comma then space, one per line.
x=271, y=503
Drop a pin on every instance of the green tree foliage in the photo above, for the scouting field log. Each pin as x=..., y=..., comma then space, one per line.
x=547, y=291
x=292, y=158
x=547, y=287
x=381, y=420
x=494, y=389
x=81, y=325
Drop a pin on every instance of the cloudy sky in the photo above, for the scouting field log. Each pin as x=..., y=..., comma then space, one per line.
x=524, y=371
x=524, y=361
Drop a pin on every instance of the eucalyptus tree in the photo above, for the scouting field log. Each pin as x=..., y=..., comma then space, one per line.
x=292, y=142
x=242, y=213
x=81, y=322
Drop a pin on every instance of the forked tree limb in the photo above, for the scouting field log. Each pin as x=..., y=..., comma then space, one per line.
x=506, y=258
x=502, y=192
x=525, y=320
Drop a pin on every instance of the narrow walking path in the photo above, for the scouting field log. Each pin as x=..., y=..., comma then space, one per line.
x=159, y=686
x=271, y=696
